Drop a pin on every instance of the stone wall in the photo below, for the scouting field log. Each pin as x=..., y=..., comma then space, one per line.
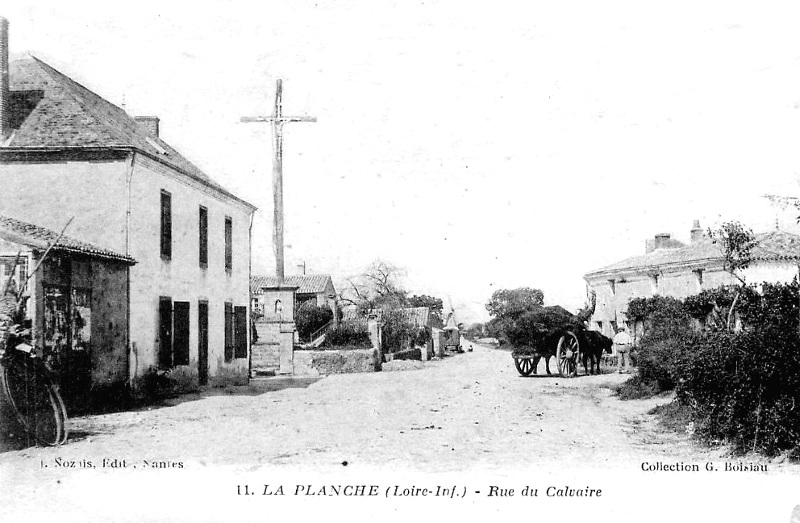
x=324, y=362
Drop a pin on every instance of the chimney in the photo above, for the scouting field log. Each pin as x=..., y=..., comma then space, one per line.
x=5, y=95
x=661, y=240
x=149, y=122
x=697, y=232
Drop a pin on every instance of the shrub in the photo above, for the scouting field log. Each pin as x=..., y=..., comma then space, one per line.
x=310, y=317
x=351, y=335
x=153, y=384
x=743, y=387
x=423, y=337
x=667, y=324
x=409, y=354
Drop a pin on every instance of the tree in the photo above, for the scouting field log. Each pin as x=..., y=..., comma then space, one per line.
x=736, y=242
x=512, y=303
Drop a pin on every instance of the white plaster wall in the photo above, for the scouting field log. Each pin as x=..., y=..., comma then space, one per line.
x=678, y=284
x=96, y=194
x=181, y=278
x=47, y=194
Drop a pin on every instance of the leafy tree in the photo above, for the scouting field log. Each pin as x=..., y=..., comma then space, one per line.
x=512, y=303
x=736, y=242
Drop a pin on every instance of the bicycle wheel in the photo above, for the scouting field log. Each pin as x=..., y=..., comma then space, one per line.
x=36, y=402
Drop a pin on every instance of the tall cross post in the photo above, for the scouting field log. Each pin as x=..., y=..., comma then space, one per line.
x=278, y=120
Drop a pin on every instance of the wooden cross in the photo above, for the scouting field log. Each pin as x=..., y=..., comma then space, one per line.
x=278, y=120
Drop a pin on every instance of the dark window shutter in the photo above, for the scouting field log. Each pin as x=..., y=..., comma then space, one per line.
x=228, y=243
x=228, y=332
x=180, y=342
x=202, y=342
x=166, y=225
x=165, y=333
x=240, y=334
x=203, y=237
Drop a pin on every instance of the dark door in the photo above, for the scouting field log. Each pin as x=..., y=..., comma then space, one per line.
x=180, y=338
x=202, y=342
x=240, y=331
x=165, y=332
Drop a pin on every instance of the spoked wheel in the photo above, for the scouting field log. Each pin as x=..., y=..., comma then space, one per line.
x=567, y=355
x=524, y=366
x=36, y=401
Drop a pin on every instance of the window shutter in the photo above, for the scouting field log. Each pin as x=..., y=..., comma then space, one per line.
x=228, y=243
x=165, y=333
x=240, y=334
x=166, y=225
x=203, y=230
x=180, y=342
x=228, y=332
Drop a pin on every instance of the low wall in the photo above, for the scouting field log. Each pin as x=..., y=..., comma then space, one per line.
x=323, y=362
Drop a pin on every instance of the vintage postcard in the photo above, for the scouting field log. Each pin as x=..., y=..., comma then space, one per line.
x=390, y=259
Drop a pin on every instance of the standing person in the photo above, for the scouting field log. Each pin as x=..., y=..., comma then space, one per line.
x=622, y=344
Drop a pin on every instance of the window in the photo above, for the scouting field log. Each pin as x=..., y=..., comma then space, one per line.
x=698, y=274
x=173, y=332
x=613, y=286
x=166, y=225
x=228, y=332
x=654, y=283
x=228, y=243
x=203, y=231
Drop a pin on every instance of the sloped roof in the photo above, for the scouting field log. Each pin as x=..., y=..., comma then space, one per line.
x=40, y=238
x=774, y=245
x=50, y=110
x=306, y=284
x=419, y=316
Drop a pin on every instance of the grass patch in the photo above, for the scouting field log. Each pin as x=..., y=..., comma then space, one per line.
x=637, y=389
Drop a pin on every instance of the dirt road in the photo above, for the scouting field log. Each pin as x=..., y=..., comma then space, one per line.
x=467, y=410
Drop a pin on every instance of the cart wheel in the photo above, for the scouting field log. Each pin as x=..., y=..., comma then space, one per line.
x=37, y=403
x=567, y=354
x=524, y=366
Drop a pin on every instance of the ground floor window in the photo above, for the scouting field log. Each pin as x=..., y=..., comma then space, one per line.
x=235, y=332
x=173, y=333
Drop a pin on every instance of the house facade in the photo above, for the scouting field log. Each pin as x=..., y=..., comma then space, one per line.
x=74, y=299
x=672, y=268
x=65, y=152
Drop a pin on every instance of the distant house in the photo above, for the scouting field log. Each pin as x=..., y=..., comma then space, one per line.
x=76, y=300
x=67, y=152
x=671, y=268
x=315, y=288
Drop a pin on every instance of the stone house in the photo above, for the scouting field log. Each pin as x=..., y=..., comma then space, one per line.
x=672, y=268
x=75, y=296
x=67, y=152
x=315, y=288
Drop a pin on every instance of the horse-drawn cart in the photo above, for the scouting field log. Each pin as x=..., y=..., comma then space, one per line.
x=543, y=333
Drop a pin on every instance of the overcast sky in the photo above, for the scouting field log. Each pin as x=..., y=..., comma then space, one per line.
x=478, y=145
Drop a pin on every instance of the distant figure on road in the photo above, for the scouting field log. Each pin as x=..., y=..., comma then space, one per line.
x=622, y=344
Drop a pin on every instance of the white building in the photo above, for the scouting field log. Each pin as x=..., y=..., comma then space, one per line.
x=671, y=268
x=66, y=152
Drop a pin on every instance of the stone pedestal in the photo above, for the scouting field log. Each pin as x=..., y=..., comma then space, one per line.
x=276, y=332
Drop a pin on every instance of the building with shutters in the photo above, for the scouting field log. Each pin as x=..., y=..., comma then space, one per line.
x=67, y=152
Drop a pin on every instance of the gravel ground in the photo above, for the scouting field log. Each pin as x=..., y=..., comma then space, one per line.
x=468, y=409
